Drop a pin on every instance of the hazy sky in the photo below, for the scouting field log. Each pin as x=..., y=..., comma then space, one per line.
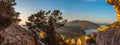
x=92, y=10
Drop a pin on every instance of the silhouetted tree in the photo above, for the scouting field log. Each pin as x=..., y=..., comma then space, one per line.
x=7, y=12
x=47, y=22
x=42, y=19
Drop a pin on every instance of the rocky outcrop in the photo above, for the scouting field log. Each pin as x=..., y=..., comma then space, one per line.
x=111, y=36
x=16, y=35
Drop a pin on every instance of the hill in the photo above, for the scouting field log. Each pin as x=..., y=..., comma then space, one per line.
x=76, y=28
x=83, y=24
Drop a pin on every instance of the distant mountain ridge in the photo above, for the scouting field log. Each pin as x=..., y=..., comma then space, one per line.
x=76, y=28
x=83, y=24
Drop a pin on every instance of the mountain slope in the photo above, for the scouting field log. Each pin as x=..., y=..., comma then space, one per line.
x=76, y=28
x=83, y=24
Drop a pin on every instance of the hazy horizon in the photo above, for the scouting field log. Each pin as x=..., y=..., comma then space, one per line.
x=92, y=10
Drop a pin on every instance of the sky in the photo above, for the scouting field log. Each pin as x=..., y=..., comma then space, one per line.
x=92, y=10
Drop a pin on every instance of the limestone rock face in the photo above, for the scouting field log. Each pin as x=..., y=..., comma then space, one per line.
x=116, y=5
x=16, y=35
x=110, y=36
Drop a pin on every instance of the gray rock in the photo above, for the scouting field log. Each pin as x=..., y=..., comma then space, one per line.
x=16, y=35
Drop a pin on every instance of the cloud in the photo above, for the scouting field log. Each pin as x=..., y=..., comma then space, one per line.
x=90, y=0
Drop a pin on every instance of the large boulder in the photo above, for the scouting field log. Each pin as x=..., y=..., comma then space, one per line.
x=16, y=35
x=111, y=36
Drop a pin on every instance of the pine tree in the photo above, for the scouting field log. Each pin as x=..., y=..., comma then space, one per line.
x=47, y=22
x=7, y=12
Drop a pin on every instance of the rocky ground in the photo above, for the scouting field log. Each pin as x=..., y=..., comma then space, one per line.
x=16, y=35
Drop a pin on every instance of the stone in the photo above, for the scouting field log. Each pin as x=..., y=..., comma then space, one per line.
x=16, y=35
